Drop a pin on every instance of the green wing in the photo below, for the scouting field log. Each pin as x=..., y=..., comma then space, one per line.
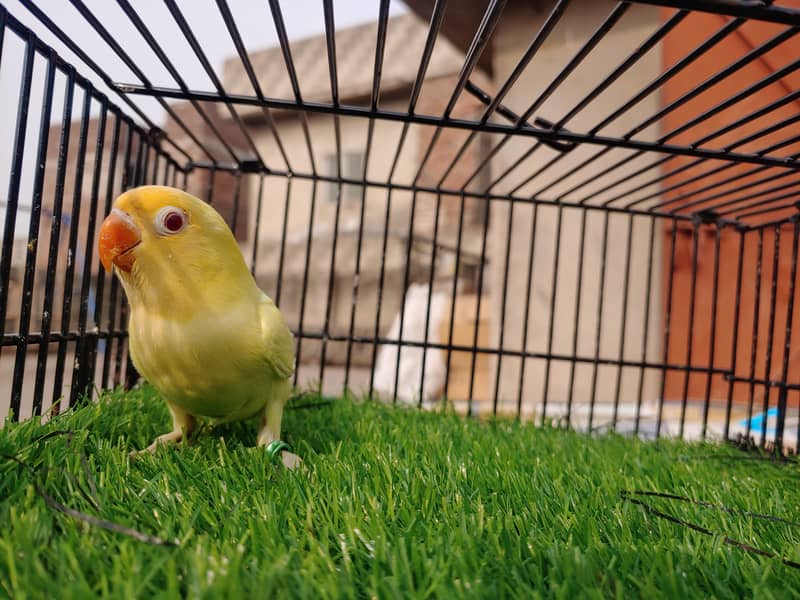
x=278, y=340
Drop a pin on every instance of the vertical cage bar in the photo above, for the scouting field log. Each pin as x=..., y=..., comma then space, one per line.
x=282, y=251
x=576, y=318
x=145, y=166
x=380, y=44
x=667, y=323
x=33, y=240
x=434, y=247
x=74, y=217
x=533, y=48
x=409, y=245
x=12, y=202
x=120, y=354
x=712, y=351
x=552, y=314
x=237, y=191
x=376, y=81
x=326, y=328
x=233, y=30
x=734, y=349
x=598, y=334
x=646, y=325
x=690, y=337
x=434, y=25
x=304, y=288
x=211, y=174
x=776, y=251
x=153, y=178
x=756, y=327
x=55, y=236
x=139, y=177
x=81, y=386
x=787, y=344
x=478, y=44
x=257, y=225
x=381, y=281
x=528, y=300
x=283, y=40
x=624, y=321
x=357, y=268
x=484, y=236
x=503, y=306
x=114, y=306
x=3, y=18
x=454, y=296
x=101, y=274
x=333, y=77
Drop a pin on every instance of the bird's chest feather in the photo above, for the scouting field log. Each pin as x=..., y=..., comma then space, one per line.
x=209, y=366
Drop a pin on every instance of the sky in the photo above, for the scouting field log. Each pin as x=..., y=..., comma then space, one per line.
x=303, y=18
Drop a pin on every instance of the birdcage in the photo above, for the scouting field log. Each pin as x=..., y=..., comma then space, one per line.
x=581, y=213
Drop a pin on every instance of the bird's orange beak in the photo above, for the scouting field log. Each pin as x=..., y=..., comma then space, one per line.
x=118, y=236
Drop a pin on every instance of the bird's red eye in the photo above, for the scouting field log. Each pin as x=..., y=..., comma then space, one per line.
x=173, y=221
x=170, y=220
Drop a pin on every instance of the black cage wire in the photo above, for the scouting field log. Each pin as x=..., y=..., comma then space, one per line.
x=575, y=212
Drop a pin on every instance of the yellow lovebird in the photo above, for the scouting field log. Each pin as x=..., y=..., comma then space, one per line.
x=200, y=331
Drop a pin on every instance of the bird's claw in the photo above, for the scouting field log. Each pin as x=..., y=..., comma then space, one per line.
x=167, y=438
x=151, y=449
x=290, y=460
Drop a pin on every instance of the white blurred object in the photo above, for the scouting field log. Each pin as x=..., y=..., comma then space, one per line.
x=411, y=357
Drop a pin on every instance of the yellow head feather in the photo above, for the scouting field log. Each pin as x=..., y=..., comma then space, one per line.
x=200, y=265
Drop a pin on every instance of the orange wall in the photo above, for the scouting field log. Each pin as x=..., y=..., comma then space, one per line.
x=689, y=34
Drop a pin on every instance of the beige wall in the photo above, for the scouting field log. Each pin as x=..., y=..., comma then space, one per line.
x=353, y=138
x=576, y=26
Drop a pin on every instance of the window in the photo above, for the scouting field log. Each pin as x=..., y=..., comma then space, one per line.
x=352, y=168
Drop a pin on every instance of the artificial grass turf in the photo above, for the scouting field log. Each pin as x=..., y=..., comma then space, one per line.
x=393, y=503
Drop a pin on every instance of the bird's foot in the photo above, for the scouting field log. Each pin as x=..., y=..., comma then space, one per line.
x=280, y=448
x=151, y=449
x=290, y=460
x=167, y=438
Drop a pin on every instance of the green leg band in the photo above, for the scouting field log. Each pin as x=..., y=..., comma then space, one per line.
x=275, y=447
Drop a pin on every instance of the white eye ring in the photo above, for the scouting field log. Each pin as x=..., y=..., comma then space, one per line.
x=170, y=220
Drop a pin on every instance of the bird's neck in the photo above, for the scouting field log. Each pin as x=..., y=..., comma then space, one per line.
x=185, y=294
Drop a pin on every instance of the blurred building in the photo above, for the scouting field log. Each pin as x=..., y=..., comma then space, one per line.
x=285, y=204
x=613, y=270
x=616, y=318
x=552, y=326
x=75, y=199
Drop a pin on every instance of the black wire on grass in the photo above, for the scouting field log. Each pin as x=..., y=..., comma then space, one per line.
x=705, y=504
x=629, y=495
x=50, y=434
x=87, y=518
x=91, y=498
x=86, y=495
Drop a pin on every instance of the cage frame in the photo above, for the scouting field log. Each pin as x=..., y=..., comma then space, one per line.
x=154, y=148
